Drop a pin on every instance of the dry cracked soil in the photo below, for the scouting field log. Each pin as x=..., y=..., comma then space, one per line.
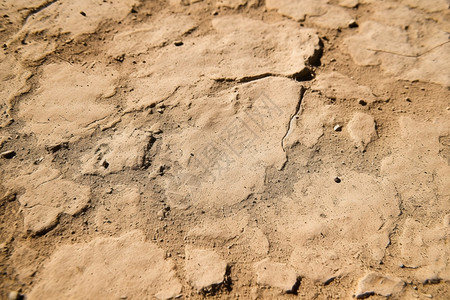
x=224, y=149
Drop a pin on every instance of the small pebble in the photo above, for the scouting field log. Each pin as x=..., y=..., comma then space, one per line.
x=408, y=99
x=352, y=24
x=428, y=295
x=56, y=147
x=38, y=161
x=337, y=180
x=178, y=43
x=161, y=214
x=362, y=103
x=337, y=127
x=13, y=295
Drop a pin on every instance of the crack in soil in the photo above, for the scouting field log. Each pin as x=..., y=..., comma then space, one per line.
x=296, y=112
x=38, y=9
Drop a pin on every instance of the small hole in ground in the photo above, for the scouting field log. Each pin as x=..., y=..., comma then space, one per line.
x=105, y=164
x=303, y=75
x=9, y=154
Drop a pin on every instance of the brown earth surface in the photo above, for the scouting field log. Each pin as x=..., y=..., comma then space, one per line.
x=224, y=149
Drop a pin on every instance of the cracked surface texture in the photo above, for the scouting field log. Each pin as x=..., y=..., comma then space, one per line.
x=224, y=149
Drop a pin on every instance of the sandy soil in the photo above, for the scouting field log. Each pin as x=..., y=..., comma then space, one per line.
x=224, y=149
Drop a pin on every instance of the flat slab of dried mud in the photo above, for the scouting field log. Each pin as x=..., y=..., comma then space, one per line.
x=225, y=149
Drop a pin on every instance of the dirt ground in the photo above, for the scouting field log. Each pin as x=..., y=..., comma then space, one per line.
x=225, y=149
